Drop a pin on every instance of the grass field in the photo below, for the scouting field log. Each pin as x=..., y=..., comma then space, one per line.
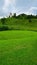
x=18, y=48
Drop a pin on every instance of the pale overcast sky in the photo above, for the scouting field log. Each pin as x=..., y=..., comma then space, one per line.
x=18, y=6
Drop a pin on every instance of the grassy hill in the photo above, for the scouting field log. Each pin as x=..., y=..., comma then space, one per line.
x=18, y=48
x=18, y=45
x=20, y=22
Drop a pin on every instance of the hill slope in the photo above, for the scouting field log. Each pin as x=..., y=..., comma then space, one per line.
x=20, y=22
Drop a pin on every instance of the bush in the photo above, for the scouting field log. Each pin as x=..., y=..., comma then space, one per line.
x=30, y=20
x=2, y=28
x=3, y=20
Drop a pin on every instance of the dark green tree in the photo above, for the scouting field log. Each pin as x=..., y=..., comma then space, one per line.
x=14, y=15
x=3, y=20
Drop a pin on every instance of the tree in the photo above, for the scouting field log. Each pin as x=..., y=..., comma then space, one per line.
x=29, y=16
x=3, y=20
x=14, y=15
x=10, y=15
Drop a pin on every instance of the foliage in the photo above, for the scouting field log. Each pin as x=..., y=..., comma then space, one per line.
x=22, y=16
x=3, y=20
x=14, y=15
x=30, y=20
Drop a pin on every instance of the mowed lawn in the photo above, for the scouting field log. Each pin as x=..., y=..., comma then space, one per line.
x=18, y=48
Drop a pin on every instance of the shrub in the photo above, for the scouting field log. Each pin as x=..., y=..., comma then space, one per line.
x=2, y=28
x=30, y=20
x=3, y=20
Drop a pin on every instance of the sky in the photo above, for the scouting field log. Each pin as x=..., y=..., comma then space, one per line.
x=18, y=7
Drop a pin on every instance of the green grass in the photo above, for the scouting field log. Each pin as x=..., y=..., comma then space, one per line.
x=23, y=24
x=18, y=48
